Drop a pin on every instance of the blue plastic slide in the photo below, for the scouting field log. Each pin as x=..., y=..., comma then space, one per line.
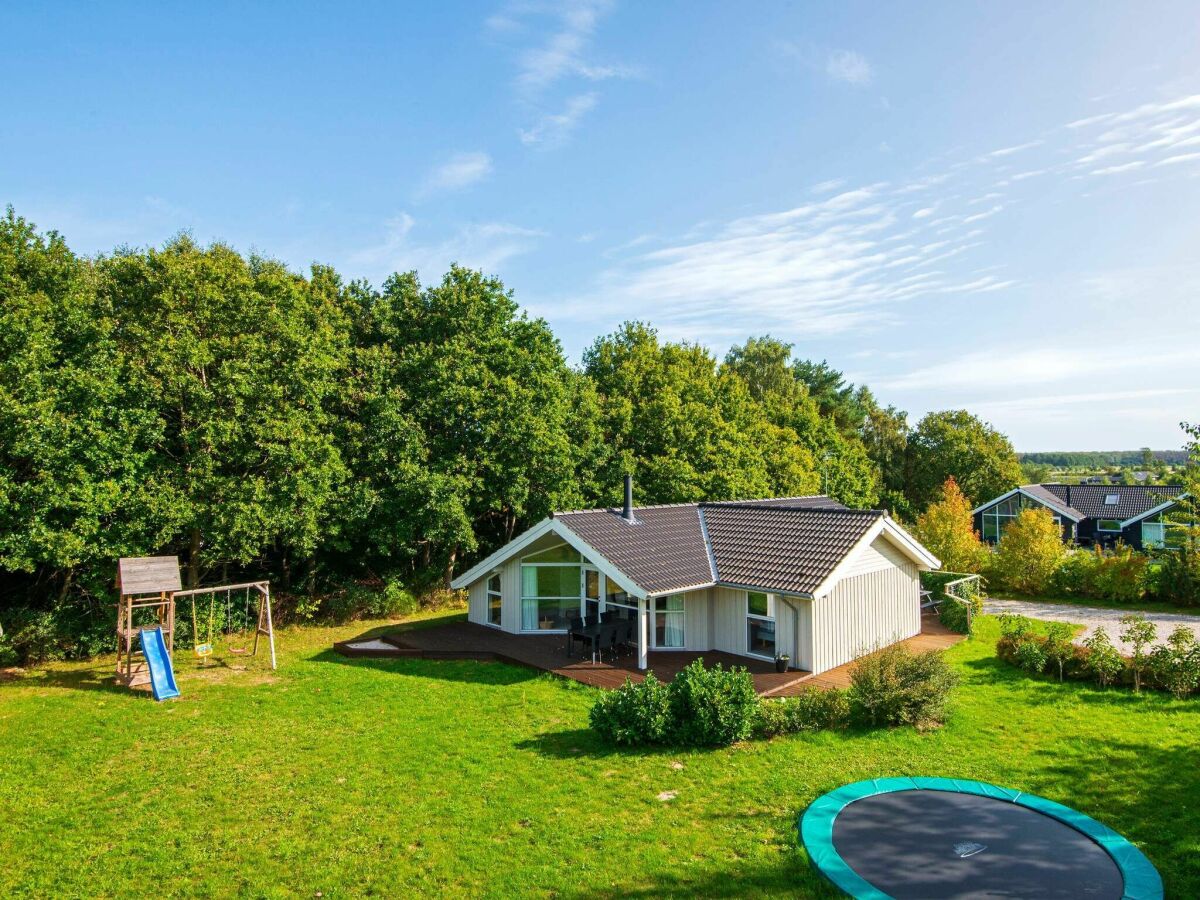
x=162, y=677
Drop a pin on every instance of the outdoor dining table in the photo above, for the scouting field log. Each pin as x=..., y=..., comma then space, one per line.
x=592, y=634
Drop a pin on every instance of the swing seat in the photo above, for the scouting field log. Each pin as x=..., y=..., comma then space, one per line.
x=203, y=650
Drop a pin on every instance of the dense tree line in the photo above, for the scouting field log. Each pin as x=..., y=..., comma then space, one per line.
x=190, y=400
x=1099, y=459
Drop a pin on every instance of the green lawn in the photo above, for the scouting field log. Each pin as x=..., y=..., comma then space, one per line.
x=335, y=777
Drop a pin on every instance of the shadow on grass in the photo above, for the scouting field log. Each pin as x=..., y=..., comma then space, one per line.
x=1150, y=794
x=93, y=678
x=583, y=743
x=472, y=671
x=787, y=876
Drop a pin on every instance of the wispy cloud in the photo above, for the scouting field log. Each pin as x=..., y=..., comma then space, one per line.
x=850, y=67
x=553, y=129
x=845, y=66
x=459, y=171
x=855, y=257
x=480, y=246
x=557, y=58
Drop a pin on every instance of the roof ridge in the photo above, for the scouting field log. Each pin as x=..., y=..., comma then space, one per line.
x=776, y=506
x=696, y=503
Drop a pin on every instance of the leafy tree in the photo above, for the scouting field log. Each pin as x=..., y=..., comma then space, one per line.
x=487, y=388
x=956, y=443
x=691, y=432
x=1059, y=646
x=948, y=530
x=1176, y=664
x=1103, y=660
x=75, y=438
x=840, y=457
x=237, y=360
x=1029, y=552
x=1139, y=632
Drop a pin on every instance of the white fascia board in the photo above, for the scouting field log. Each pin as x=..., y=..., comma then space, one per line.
x=995, y=500
x=901, y=539
x=1162, y=507
x=541, y=529
x=1061, y=509
x=836, y=575
x=913, y=548
x=517, y=544
x=759, y=589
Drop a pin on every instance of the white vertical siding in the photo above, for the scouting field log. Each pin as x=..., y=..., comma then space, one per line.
x=695, y=629
x=510, y=597
x=477, y=602
x=728, y=620
x=863, y=613
x=785, y=629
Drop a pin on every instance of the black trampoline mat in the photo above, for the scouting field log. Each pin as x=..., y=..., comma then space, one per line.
x=904, y=843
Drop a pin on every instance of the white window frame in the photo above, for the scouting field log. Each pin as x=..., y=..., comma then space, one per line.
x=769, y=617
x=489, y=593
x=654, y=610
x=992, y=513
x=579, y=598
x=1103, y=530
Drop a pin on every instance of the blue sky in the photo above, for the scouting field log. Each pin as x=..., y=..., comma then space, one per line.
x=983, y=205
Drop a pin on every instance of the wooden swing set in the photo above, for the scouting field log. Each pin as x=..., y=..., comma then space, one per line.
x=153, y=582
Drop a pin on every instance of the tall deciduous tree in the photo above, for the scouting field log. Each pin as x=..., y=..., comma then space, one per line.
x=488, y=389
x=956, y=443
x=947, y=528
x=237, y=359
x=1029, y=552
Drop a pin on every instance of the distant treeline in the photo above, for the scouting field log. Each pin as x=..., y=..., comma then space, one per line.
x=258, y=422
x=1098, y=459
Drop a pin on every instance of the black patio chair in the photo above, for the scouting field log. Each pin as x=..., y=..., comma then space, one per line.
x=609, y=615
x=575, y=633
x=626, y=634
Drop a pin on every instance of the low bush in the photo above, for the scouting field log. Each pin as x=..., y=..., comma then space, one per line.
x=1102, y=661
x=1118, y=575
x=1175, y=575
x=634, y=714
x=712, y=707
x=895, y=686
x=1175, y=666
x=813, y=710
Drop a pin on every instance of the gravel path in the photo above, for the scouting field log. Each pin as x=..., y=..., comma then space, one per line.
x=1091, y=616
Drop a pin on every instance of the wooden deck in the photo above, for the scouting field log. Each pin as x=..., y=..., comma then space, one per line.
x=548, y=653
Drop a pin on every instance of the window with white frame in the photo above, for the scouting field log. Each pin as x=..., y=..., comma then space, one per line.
x=1108, y=525
x=551, y=588
x=995, y=519
x=760, y=624
x=494, y=599
x=1166, y=529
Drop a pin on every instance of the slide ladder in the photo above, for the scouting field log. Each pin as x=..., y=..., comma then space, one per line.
x=158, y=660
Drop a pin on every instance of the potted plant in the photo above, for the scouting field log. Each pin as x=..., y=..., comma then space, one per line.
x=781, y=662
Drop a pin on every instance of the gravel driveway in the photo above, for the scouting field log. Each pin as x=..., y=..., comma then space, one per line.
x=1091, y=616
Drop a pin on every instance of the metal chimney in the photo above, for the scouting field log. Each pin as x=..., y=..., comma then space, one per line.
x=627, y=512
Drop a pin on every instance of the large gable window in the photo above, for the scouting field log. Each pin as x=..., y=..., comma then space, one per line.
x=995, y=519
x=551, y=588
x=760, y=624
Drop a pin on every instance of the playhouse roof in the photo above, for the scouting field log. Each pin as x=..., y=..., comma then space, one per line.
x=148, y=575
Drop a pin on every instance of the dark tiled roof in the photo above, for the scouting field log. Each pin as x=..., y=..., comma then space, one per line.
x=1133, y=499
x=663, y=551
x=1051, y=500
x=782, y=548
x=785, y=544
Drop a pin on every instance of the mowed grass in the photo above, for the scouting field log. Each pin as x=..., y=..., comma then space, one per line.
x=335, y=777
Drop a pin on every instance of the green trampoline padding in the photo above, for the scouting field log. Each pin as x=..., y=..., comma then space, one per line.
x=1141, y=879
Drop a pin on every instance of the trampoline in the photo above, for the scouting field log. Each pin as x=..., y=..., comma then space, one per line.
x=936, y=837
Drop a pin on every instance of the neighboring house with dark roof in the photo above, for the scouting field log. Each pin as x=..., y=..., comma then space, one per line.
x=1088, y=513
x=801, y=576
